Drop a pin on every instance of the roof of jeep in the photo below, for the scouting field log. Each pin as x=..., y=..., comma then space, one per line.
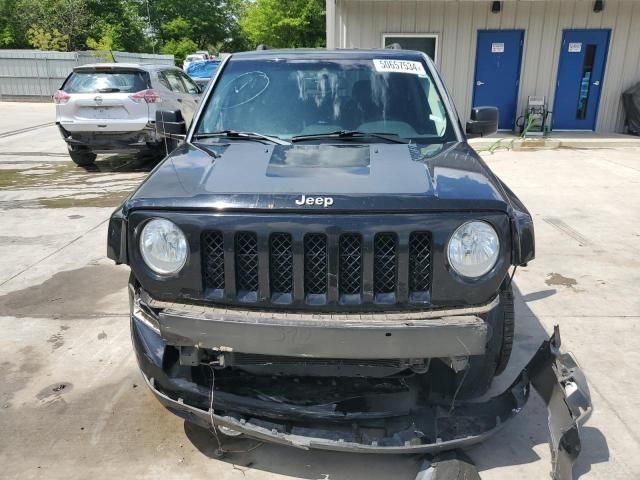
x=322, y=53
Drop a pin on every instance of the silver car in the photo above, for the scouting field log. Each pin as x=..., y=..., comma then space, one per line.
x=107, y=108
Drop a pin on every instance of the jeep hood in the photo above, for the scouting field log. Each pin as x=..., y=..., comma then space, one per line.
x=371, y=177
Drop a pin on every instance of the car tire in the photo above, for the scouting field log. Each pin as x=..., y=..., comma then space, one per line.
x=508, y=329
x=476, y=378
x=82, y=157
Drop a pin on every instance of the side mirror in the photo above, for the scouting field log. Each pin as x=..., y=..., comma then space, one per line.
x=483, y=122
x=170, y=124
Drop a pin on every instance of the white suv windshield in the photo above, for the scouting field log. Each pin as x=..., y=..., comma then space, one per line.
x=292, y=97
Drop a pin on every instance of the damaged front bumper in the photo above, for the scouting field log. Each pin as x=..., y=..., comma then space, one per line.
x=384, y=420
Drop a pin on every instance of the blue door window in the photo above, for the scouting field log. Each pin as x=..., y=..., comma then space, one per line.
x=497, y=76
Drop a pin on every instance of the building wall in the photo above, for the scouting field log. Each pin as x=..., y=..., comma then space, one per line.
x=360, y=24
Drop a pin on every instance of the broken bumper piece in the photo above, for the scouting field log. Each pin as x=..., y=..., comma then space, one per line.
x=386, y=422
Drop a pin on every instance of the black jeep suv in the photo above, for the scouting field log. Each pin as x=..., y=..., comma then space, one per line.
x=325, y=261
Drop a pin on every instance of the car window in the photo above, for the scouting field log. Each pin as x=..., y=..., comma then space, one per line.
x=289, y=97
x=106, y=81
x=174, y=81
x=189, y=84
x=163, y=81
x=203, y=69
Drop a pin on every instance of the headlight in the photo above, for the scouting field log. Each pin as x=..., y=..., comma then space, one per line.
x=473, y=249
x=163, y=246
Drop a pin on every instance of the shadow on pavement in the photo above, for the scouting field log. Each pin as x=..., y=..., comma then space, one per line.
x=512, y=446
x=122, y=163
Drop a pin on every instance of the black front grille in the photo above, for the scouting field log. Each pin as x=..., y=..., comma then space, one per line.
x=213, y=260
x=294, y=268
x=315, y=264
x=247, y=262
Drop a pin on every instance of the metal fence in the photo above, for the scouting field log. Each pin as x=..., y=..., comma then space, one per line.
x=34, y=74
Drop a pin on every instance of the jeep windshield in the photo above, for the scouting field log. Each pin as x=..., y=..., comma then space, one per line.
x=324, y=100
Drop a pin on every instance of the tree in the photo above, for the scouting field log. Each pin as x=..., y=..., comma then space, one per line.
x=120, y=24
x=204, y=22
x=11, y=35
x=44, y=40
x=179, y=48
x=285, y=23
x=51, y=20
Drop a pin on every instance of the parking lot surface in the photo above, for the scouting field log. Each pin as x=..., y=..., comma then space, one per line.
x=73, y=405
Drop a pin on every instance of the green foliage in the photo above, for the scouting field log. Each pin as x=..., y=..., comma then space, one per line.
x=179, y=48
x=285, y=23
x=46, y=17
x=109, y=39
x=205, y=22
x=9, y=30
x=118, y=21
x=179, y=27
x=43, y=40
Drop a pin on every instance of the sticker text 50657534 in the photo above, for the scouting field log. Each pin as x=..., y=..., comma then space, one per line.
x=399, y=66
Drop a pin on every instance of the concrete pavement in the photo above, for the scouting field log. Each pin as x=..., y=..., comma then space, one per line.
x=73, y=405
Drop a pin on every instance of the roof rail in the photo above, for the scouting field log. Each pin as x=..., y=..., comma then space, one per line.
x=394, y=46
x=262, y=46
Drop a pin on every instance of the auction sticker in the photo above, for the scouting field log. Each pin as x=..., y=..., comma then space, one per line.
x=399, y=66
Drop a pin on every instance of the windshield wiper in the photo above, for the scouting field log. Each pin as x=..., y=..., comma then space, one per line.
x=109, y=90
x=240, y=135
x=347, y=134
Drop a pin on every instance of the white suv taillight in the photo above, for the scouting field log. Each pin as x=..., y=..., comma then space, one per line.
x=149, y=96
x=61, y=97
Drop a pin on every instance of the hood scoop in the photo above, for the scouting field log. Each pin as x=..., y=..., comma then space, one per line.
x=318, y=169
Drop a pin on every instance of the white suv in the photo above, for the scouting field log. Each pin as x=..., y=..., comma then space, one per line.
x=111, y=107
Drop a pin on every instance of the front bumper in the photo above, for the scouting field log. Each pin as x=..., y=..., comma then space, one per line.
x=378, y=422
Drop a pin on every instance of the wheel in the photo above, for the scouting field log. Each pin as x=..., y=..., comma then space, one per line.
x=476, y=378
x=508, y=329
x=82, y=157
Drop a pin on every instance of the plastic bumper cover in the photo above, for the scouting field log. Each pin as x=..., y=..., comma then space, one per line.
x=111, y=141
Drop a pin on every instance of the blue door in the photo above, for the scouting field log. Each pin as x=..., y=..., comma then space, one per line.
x=498, y=58
x=582, y=61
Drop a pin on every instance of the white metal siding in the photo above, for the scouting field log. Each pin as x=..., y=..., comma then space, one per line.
x=360, y=24
x=35, y=73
